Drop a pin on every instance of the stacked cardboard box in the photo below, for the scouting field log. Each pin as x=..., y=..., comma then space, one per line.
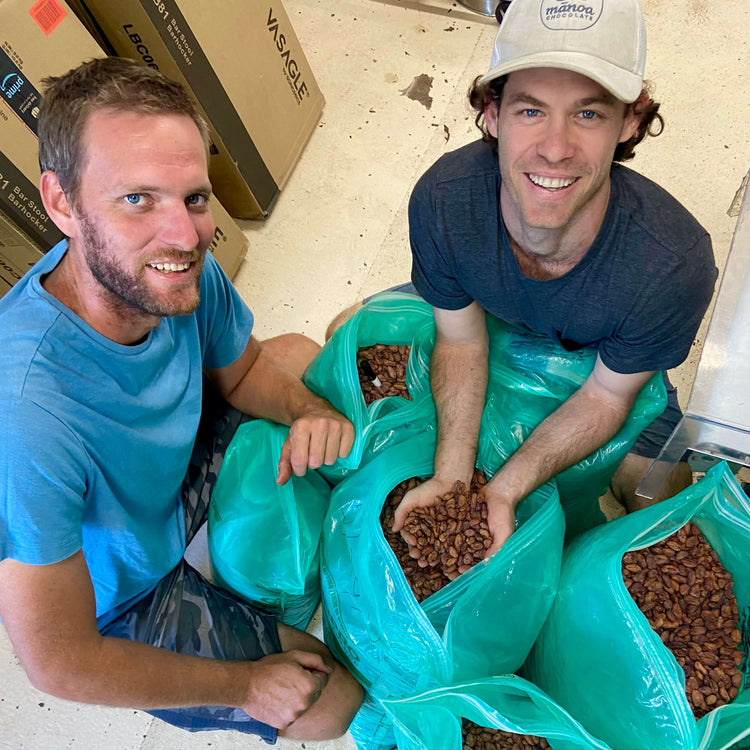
x=244, y=65
x=40, y=39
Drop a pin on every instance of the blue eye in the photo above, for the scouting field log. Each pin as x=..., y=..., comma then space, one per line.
x=134, y=199
x=531, y=112
x=588, y=114
x=197, y=200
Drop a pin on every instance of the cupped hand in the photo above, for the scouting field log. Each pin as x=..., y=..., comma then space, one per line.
x=318, y=437
x=421, y=496
x=501, y=518
x=284, y=686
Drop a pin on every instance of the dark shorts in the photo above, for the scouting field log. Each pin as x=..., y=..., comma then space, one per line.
x=187, y=614
x=652, y=439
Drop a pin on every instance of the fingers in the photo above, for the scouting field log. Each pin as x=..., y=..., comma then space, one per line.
x=284, y=467
x=399, y=517
x=311, y=661
x=312, y=442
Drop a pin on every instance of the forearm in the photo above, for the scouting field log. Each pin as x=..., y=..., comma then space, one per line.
x=576, y=429
x=118, y=672
x=270, y=391
x=458, y=377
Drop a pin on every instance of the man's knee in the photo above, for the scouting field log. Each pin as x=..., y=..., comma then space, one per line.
x=329, y=717
x=293, y=351
x=629, y=474
x=341, y=318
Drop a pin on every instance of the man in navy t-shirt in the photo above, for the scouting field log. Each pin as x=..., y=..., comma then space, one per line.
x=535, y=224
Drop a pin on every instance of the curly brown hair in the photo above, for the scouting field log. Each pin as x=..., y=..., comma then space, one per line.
x=651, y=122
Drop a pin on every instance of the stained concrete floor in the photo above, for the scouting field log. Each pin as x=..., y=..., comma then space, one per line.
x=394, y=74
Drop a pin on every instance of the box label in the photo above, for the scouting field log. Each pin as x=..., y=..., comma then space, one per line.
x=18, y=93
x=292, y=72
x=47, y=14
x=187, y=53
x=20, y=200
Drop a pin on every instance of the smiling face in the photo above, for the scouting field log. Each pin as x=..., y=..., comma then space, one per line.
x=557, y=132
x=141, y=218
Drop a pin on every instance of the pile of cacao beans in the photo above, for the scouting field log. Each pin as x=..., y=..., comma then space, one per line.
x=382, y=371
x=483, y=738
x=451, y=536
x=686, y=594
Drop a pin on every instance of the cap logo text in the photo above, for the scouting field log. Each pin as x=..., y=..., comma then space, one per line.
x=570, y=15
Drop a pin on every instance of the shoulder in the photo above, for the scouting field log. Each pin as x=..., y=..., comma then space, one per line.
x=475, y=160
x=653, y=211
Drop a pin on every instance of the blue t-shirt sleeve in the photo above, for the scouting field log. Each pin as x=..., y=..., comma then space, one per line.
x=42, y=465
x=659, y=331
x=432, y=269
x=224, y=321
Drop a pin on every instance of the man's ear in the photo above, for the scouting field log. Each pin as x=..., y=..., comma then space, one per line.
x=490, y=117
x=633, y=115
x=56, y=203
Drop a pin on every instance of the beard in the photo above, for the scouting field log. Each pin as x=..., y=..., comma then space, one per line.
x=129, y=291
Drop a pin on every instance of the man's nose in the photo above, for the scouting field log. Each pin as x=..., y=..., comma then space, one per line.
x=179, y=229
x=557, y=141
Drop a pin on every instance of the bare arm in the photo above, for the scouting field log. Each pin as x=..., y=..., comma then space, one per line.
x=458, y=375
x=581, y=425
x=49, y=614
x=258, y=385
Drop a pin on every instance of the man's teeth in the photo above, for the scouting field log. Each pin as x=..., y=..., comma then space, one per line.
x=551, y=183
x=169, y=267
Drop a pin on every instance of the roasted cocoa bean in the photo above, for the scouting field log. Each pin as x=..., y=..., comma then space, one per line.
x=451, y=535
x=382, y=371
x=483, y=738
x=686, y=594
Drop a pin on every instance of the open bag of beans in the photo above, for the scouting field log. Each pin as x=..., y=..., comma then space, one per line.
x=647, y=641
x=495, y=713
x=263, y=539
x=374, y=371
x=481, y=623
x=530, y=376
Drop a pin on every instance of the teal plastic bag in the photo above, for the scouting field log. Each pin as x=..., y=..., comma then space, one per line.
x=389, y=318
x=264, y=540
x=432, y=720
x=598, y=656
x=530, y=376
x=482, y=623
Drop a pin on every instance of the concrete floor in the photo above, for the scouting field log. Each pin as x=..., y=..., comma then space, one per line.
x=339, y=231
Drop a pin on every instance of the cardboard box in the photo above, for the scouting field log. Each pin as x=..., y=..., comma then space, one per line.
x=17, y=254
x=246, y=69
x=229, y=245
x=30, y=52
x=19, y=196
x=37, y=39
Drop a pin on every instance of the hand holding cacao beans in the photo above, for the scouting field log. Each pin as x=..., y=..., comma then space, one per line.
x=450, y=534
x=501, y=518
x=422, y=495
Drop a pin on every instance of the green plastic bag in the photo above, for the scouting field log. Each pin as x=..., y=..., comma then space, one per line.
x=432, y=720
x=598, y=656
x=530, y=376
x=482, y=623
x=264, y=540
x=389, y=318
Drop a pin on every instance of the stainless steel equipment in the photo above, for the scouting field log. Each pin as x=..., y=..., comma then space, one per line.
x=485, y=7
x=716, y=423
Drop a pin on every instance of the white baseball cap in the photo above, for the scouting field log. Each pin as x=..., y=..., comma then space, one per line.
x=604, y=40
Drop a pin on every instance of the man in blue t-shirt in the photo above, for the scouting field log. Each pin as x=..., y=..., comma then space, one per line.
x=128, y=360
x=536, y=225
